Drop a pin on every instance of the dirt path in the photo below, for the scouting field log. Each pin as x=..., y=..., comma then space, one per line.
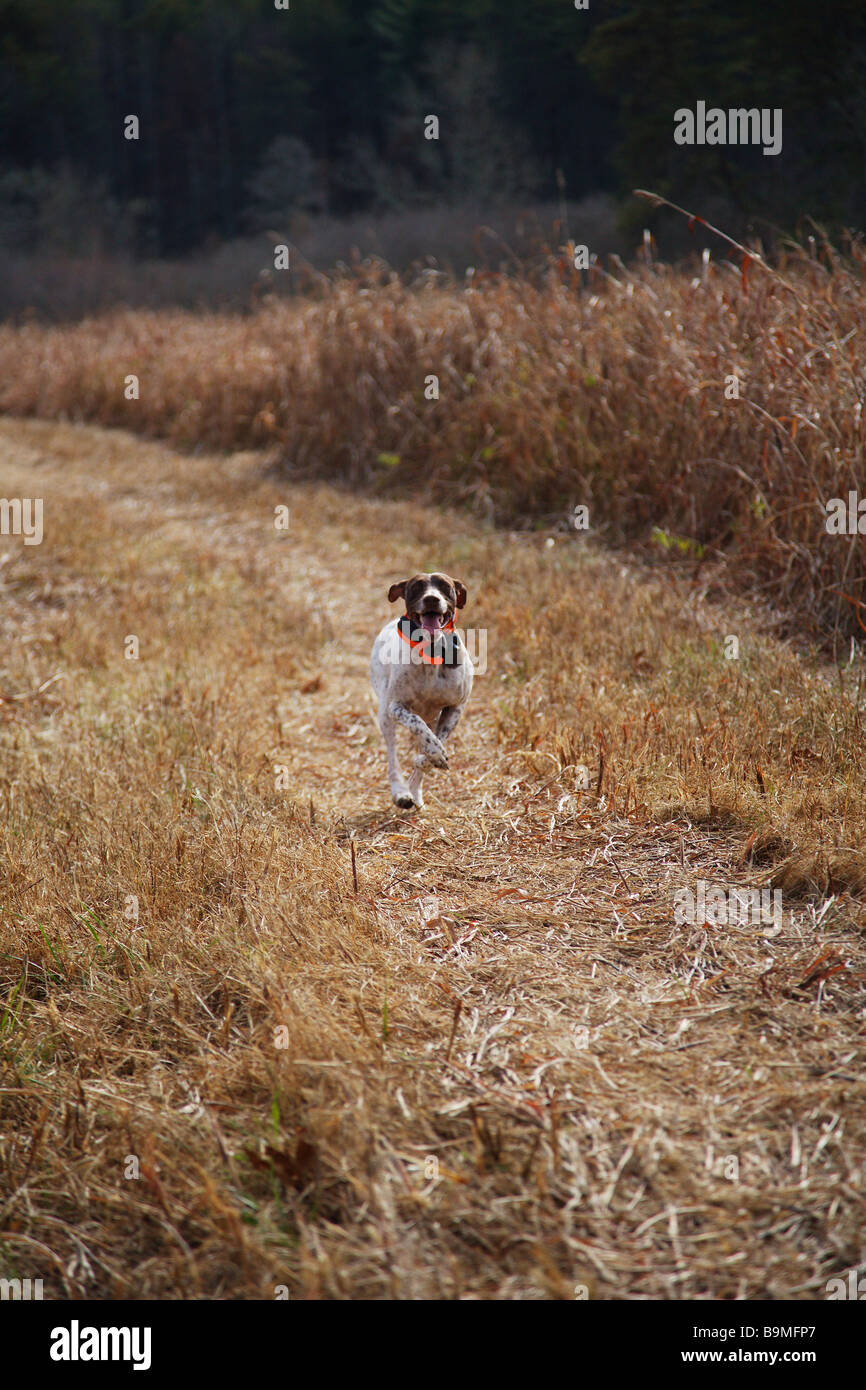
x=554, y=1085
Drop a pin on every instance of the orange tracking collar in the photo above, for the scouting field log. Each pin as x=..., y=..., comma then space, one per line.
x=428, y=644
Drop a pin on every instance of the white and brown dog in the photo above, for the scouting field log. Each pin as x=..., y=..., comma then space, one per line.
x=422, y=676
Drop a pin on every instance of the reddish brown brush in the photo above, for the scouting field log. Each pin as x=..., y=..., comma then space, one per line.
x=612, y=396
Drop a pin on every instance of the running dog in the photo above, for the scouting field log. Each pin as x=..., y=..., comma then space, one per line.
x=422, y=676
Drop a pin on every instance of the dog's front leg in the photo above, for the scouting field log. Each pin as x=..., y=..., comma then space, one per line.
x=447, y=722
x=428, y=743
x=400, y=793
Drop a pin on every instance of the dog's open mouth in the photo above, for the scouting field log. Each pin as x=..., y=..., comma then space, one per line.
x=430, y=622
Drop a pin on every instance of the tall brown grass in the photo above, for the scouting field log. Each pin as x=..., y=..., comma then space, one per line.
x=610, y=394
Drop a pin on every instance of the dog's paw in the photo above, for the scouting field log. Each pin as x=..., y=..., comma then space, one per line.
x=434, y=752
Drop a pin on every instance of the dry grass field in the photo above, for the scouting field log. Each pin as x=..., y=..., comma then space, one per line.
x=711, y=412
x=491, y=1064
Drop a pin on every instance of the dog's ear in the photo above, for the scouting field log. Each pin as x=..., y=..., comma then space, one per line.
x=460, y=591
x=397, y=591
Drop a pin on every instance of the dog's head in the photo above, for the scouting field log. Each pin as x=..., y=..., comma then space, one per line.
x=430, y=599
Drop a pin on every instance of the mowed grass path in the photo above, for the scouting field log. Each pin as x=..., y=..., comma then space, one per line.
x=495, y=1068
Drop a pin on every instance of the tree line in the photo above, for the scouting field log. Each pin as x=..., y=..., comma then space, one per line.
x=248, y=112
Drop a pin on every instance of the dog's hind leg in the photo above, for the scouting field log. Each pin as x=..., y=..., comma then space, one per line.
x=414, y=787
x=447, y=722
x=421, y=764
